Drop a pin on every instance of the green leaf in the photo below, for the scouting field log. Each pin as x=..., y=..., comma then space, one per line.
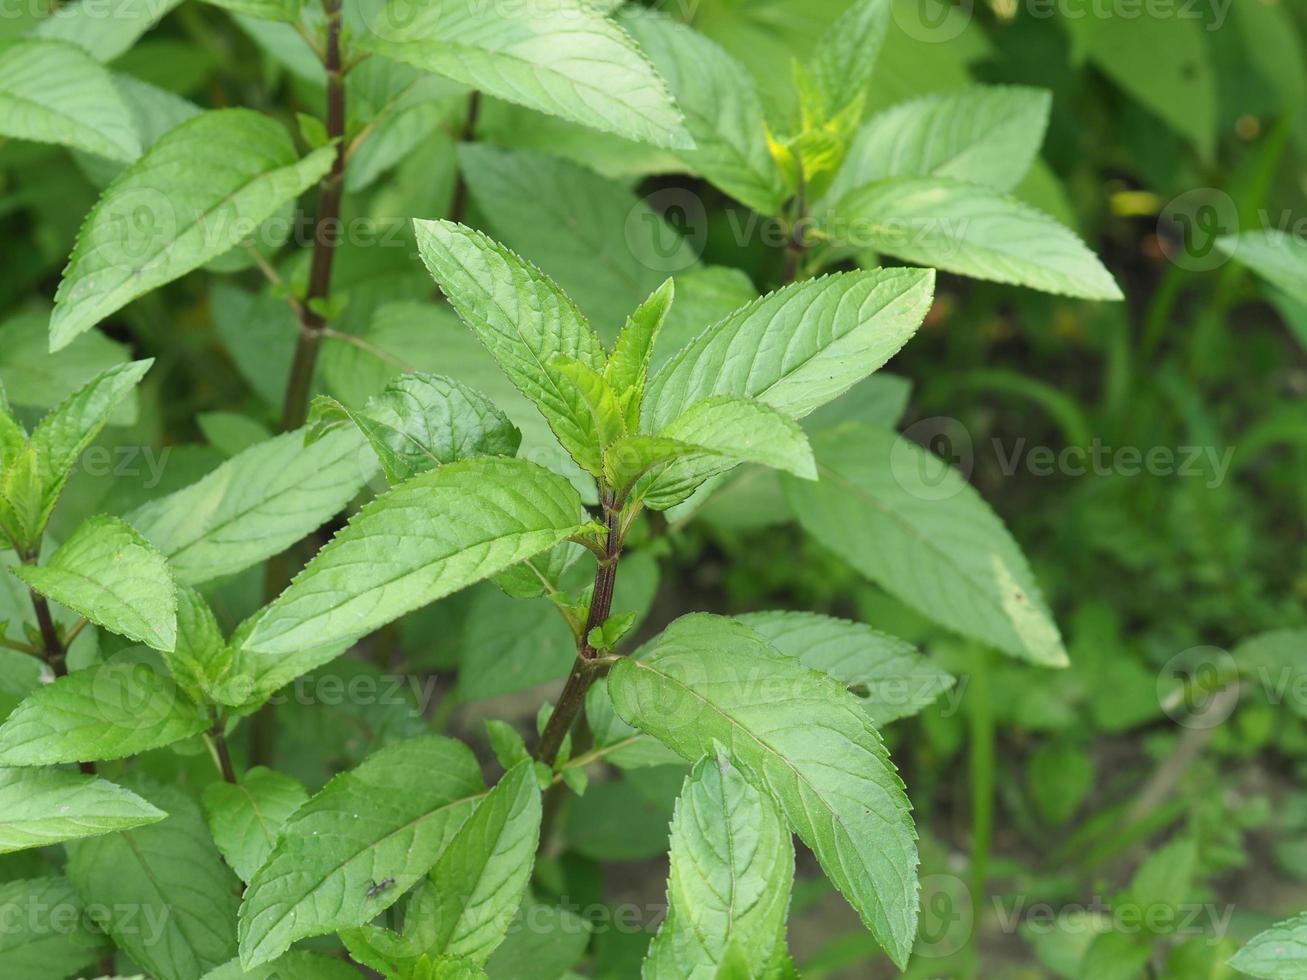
x=413, y=115
x=1279, y=953
x=841, y=64
x=389, y=820
x=447, y=968
x=1164, y=883
x=34, y=377
x=796, y=348
x=282, y=10
x=66, y=432
x=39, y=807
x=1277, y=256
x=969, y=229
x=507, y=743
x=295, y=965
x=609, y=633
x=627, y=369
x=571, y=222
x=104, y=28
x=231, y=433
x=255, y=505
x=510, y=645
x=469, y=899
x=540, y=575
x=710, y=438
x=20, y=487
x=1163, y=62
x=732, y=867
x=585, y=385
x=911, y=523
x=1061, y=775
x=800, y=736
x=559, y=56
x=624, y=819
x=246, y=818
x=543, y=942
x=199, y=191
x=522, y=318
x=1273, y=660
x=54, y=92
x=201, y=657
x=111, y=575
x=426, y=538
x=423, y=420
x=985, y=135
x=624, y=746
x=723, y=112
x=109, y=711
x=889, y=676
x=1116, y=956
x=52, y=936
x=169, y=901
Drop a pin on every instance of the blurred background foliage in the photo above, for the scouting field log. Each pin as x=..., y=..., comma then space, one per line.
x=1030, y=786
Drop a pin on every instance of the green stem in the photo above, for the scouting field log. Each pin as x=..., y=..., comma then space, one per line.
x=797, y=244
x=459, y=202
x=587, y=666
x=326, y=234
x=54, y=651
x=981, y=717
x=218, y=746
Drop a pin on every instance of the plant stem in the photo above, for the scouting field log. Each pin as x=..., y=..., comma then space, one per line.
x=982, y=790
x=459, y=202
x=223, y=754
x=326, y=235
x=797, y=243
x=53, y=650
x=586, y=668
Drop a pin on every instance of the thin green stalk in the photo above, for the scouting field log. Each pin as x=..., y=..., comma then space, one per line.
x=981, y=718
x=53, y=649
x=312, y=323
x=589, y=665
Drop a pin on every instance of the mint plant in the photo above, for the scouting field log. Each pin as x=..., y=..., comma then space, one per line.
x=466, y=425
